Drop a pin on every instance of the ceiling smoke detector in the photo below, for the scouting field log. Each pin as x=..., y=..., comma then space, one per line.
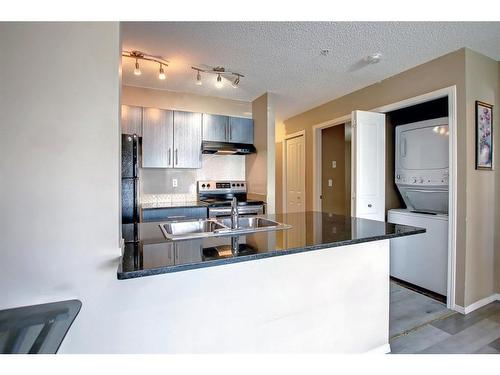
x=374, y=58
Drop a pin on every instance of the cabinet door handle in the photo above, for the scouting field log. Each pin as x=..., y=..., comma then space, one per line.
x=229, y=127
x=176, y=158
x=177, y=217
x=169, y=157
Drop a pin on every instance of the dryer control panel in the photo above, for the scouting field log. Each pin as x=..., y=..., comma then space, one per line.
x=438, y=177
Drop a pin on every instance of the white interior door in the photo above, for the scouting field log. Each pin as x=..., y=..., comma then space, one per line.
x=368, y=165
x=295, y=174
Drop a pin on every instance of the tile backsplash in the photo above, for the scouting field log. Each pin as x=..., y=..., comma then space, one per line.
x=157, y=184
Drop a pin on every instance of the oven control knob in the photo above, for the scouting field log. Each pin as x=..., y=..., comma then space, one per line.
x=421, y=180
x=398, y=176
x=414, y=180
x=232, y=185
x=208, y=185
x=203, y=185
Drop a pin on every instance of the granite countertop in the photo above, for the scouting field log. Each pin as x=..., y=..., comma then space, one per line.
x=153, y=254
x=153, y=205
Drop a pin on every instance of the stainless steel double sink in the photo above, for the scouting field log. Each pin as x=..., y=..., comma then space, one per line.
x=188, y=229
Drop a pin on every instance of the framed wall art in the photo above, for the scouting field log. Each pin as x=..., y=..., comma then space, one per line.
x=484, y=136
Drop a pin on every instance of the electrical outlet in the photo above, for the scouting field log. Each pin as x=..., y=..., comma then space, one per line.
x=174, y=182
x=330, y=182
x=334, y=164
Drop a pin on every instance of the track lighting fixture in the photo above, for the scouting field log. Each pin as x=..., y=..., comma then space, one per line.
x=138, y=55
x=221, y=73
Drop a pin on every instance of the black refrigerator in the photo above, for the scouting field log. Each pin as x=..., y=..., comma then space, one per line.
x=130, y=186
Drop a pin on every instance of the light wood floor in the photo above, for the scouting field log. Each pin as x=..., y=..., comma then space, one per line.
x=419, y=324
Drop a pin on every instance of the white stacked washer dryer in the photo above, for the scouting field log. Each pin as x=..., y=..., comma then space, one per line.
x=421, y=175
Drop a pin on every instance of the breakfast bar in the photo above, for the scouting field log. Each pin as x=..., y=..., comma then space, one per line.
x=297, y=289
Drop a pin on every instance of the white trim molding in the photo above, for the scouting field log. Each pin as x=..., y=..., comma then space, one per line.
x=382, y=349
x=477, y=305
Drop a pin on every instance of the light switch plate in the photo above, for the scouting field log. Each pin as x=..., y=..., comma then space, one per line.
x=330, y=182
x=174, y=182
x=334, y=164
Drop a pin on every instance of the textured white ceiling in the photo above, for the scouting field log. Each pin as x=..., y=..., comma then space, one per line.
x=284, y=57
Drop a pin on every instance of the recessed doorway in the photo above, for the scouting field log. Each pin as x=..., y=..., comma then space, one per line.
x=336, y=170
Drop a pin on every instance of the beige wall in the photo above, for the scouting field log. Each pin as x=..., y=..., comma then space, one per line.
x=145, y=97
x=481, y=84
x=280, y=133
x=260, y=167
x=497, y=188
x=496, y=131
x=445, y=71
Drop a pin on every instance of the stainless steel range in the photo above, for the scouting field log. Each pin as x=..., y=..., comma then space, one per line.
x=218, y=195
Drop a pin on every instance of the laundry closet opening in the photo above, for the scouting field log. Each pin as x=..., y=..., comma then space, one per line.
x=417, y=190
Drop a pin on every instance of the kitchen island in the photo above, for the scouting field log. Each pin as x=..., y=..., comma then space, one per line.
x=320, y=286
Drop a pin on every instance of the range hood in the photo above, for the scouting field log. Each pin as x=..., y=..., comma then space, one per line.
x=227, y=148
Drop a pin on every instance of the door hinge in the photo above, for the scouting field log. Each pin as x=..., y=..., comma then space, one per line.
x=320, y=197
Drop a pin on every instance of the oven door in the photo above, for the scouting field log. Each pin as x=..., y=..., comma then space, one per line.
x=242, y=211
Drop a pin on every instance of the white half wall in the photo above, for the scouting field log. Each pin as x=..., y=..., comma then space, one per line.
x=326, y=301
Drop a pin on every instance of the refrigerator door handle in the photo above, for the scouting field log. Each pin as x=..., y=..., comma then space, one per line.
x=169, y=157
x=135, y=157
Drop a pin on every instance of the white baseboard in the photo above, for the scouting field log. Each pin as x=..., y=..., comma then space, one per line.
x=383, y=349
x=477, y=305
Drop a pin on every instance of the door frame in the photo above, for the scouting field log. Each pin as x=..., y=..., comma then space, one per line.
x=451, y=93
x=301, y=133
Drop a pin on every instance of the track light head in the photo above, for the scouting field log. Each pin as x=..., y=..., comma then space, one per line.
x=198, y=79
x=236, y=82
x=219, y=84
x=137, y=70
x=161, y=74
